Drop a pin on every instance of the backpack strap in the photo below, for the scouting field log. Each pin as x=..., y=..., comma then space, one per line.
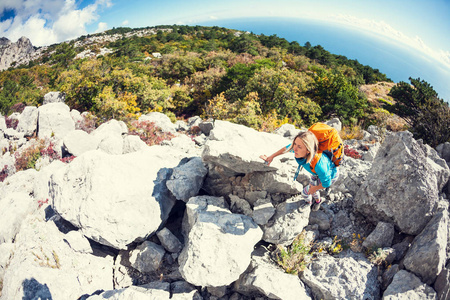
x=335, y=157
x=314, y=161
x=298, y=171
x=312, y=164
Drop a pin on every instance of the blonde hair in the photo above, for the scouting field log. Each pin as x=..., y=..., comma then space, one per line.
x=311, y=144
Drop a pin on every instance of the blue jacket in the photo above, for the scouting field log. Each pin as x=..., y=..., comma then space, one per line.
x=325, y=168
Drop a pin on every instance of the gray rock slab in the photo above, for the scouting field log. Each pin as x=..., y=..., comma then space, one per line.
x=406, y=195
x=406, y=285
x=381, y=236
x=347, y=277
x=54, y=120
x=45, y=266
x=291, y=217
x=427, y=255
x=218, y=243
x=116, y=199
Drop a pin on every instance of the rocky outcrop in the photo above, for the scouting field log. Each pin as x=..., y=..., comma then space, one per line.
x=427, y=256
x=16, y=53
x=218, y=243
x=406, y=285
x=325, y=274
x=264, y=277
x=404, y=189
x=55, y=120
x=54, y=97
x=49, y=264
x=199, y=217
x=136, y=186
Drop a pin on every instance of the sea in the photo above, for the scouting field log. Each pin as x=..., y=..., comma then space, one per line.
x=396, y=61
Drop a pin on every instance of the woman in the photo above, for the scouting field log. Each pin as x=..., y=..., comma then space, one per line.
x=323, y=170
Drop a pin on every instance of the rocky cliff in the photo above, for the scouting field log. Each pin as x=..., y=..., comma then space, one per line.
x=18, y=53
x=201, y=217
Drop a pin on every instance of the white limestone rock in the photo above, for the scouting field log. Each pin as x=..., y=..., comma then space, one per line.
x=54, y=120
x=218, y=243
x=115, y=199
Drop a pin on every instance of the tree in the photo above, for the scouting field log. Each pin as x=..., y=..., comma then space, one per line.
x=244, y=43
x=427, y=115
x=8, y=95
x=64, y=54
x=337, y=96
x=282, y=91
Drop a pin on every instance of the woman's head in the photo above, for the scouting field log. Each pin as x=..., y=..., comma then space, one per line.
x=305, y=145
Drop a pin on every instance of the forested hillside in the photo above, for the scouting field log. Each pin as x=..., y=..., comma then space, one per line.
x=256, y=80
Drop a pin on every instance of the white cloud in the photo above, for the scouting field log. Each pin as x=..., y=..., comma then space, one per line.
x=386, y=30
x=125, y=23
x=46, y=22
x=102, y=26
x=33, y=27
x=213, y=17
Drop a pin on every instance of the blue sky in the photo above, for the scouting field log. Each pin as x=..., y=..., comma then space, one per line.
x=422, y=26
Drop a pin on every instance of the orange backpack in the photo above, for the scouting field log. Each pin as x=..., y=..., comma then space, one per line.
x=330, y=143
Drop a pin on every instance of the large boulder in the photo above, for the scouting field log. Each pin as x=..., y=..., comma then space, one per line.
x=406, y=285
x=218, y=243
x=28, y=121
x=147, y=257
x=427, y=255
x=404, y=188
x=187, y=179
x=133, y=143
x=109, y=136
x=160, y=120
x=350, y=276
x=233, y=151
x=381, y=237
x=264, y=277
x=78, y=141
x=290, y=218
x=110, y=128
x=288, y=131
x=45, y=266
x=15, y=207
x=54, y=120
x=116, y=199
x=20, y=182
x=54, y=97
x=179, y=290
x=186, y=144
x=238, y=147
x=352, y=173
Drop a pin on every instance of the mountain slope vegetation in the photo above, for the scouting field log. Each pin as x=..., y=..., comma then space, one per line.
x=256, y=80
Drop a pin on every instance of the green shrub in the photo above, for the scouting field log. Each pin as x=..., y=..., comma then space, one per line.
x=27, y=158
x=295, y=257
x=377, y=256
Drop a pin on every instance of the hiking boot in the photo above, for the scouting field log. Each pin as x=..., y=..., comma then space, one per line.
x=316, y=205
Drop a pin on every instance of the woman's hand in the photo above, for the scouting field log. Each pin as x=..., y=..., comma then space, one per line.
x=314, y=188
x=267, y=159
